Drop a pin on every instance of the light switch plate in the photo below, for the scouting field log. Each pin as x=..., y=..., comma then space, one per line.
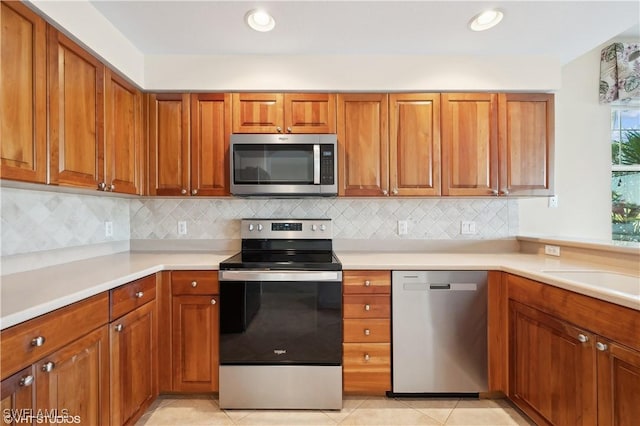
x=553, y=202
x=467, y=227
x=552, y=250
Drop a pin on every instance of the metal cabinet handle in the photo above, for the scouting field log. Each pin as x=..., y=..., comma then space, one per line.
x=194, y=192
x=367, y=307
x=102, y=186
x=26, y=381
x=583, y=338
x=139, y=294
x=601, y=346
x=504, y=192
x=183, y=192
x=395, y=191
x=366, y=357
x=118, y=327
x=213, y=301
x=47, y=367
x=385, y=192
x=494, y=192
x=279, y=129
x=112, y=187
x=194, y=284
x=367, y=283
x=38, y=341
x=367, y=332
x=289, y=129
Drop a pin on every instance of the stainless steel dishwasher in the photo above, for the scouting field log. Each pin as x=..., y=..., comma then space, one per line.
x=439, y=324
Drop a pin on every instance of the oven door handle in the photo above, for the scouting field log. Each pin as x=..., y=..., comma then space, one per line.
x=266, y=275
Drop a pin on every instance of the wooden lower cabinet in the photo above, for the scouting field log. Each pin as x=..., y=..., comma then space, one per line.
x=618, y=384
x=74, y=381
x=18, y=396
x=133, y=364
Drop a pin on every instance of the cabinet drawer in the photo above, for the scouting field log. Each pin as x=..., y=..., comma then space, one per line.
x=367, y=330
x=367, y=367
x=126, y=298
x=367, y=306
x=194, y=282
x=31, y=340
x=366, y=282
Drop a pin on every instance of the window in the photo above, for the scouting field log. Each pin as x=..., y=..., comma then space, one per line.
x=625, y=173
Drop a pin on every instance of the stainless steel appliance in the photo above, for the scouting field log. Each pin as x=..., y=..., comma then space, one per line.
x=439, y=332
x=281, y=318
x=285, y=165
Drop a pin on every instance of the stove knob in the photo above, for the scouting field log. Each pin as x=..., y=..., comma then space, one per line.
x=259, y=227
x=323, y=228
x=250, y=227
x=314, y=227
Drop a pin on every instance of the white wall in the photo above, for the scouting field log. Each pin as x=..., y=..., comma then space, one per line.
x=583, y=160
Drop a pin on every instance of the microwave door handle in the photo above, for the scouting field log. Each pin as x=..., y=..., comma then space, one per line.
x=316, y=164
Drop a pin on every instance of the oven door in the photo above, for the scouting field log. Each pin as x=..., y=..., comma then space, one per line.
x=281, y=318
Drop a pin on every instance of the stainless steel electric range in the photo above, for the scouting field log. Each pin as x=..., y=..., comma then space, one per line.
x=281, y=318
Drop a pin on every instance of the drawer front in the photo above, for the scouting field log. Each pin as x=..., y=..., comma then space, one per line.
x=128, y=297
x=367, y=367
x=366, y=282
x=30, y=341
x=367, y=306
x=367, y=330
x=195, y=282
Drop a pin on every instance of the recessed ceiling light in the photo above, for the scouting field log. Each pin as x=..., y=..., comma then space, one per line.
x=485, y=20
x=260, y=20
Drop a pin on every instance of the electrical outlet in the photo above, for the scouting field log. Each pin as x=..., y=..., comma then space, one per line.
x=403, y=227
x=182, y=227
x=108, y=229
x=467, y=227
x=553, y=202
x=552, y=250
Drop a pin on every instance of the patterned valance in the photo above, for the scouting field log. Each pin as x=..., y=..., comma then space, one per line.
x=620, y=72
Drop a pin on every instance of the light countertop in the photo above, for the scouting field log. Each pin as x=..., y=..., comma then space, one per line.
x=26, y=295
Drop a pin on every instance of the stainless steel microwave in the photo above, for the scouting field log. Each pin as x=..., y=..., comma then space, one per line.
x=284, y=165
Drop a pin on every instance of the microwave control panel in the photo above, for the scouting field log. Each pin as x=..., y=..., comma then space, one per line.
x=327, y=164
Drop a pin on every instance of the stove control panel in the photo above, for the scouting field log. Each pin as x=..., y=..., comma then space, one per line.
x=286, y=228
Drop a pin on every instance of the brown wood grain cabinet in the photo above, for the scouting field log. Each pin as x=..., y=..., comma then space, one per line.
x=195, y=331
x=284, y=113
x=567, y=365
x=18, y=396
x=76, y=114
x=23, y=94
x=366, y=332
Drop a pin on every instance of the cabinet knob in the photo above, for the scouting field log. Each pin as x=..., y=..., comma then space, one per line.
x=289, y=129
x=213, y=301
x=366, y=357
x=494, y=192
x=194, y=284
x=504, y=192
x=112, y=187
x=395, y=191
x=183, y=192
x=194, y=192
x=583, y=338
x=47, y=367
x=118, y=327
x=367, y=332
x=385, y=192
x=601, y=346
x=367, y=307
x=38, y=341
x=26, y=381
x=279, y=129
x=367, y=283
x=102, y=186
x=139, y=294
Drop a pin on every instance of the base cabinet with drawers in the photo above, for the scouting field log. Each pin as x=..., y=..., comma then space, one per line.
x=367, y=332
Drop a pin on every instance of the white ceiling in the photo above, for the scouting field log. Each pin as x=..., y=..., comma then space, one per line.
x=564, y=29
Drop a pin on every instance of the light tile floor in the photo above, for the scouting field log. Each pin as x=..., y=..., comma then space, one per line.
x=204, y=410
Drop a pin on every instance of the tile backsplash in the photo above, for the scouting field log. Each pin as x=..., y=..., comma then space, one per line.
x=34, y=221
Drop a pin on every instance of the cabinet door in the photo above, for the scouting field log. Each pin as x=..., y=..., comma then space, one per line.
x=18, y=397
x=309, y=113
x=169, y=144
x=76, y=114
x=552, y=368
x=133, y=364
x=363, y=144
x=23, y=94
x=526, y=143
x=210, y=130
x=414, y=153
x=618, y=384
x=123, y=148
x=195, y=343
x=75, y=380
x=258, y=113
x=469, y=144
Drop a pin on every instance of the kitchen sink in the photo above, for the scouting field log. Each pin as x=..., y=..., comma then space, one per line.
x=612, y=280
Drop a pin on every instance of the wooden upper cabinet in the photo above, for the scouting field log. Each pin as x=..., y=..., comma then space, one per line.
x=210, y=130
x=469, y=144
x=76, y=114
x=363, y=144
x=124, y=136
x=168, y=144
x=284, y=113
x=414, y=153
x=526, y=123
x=23, y=94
